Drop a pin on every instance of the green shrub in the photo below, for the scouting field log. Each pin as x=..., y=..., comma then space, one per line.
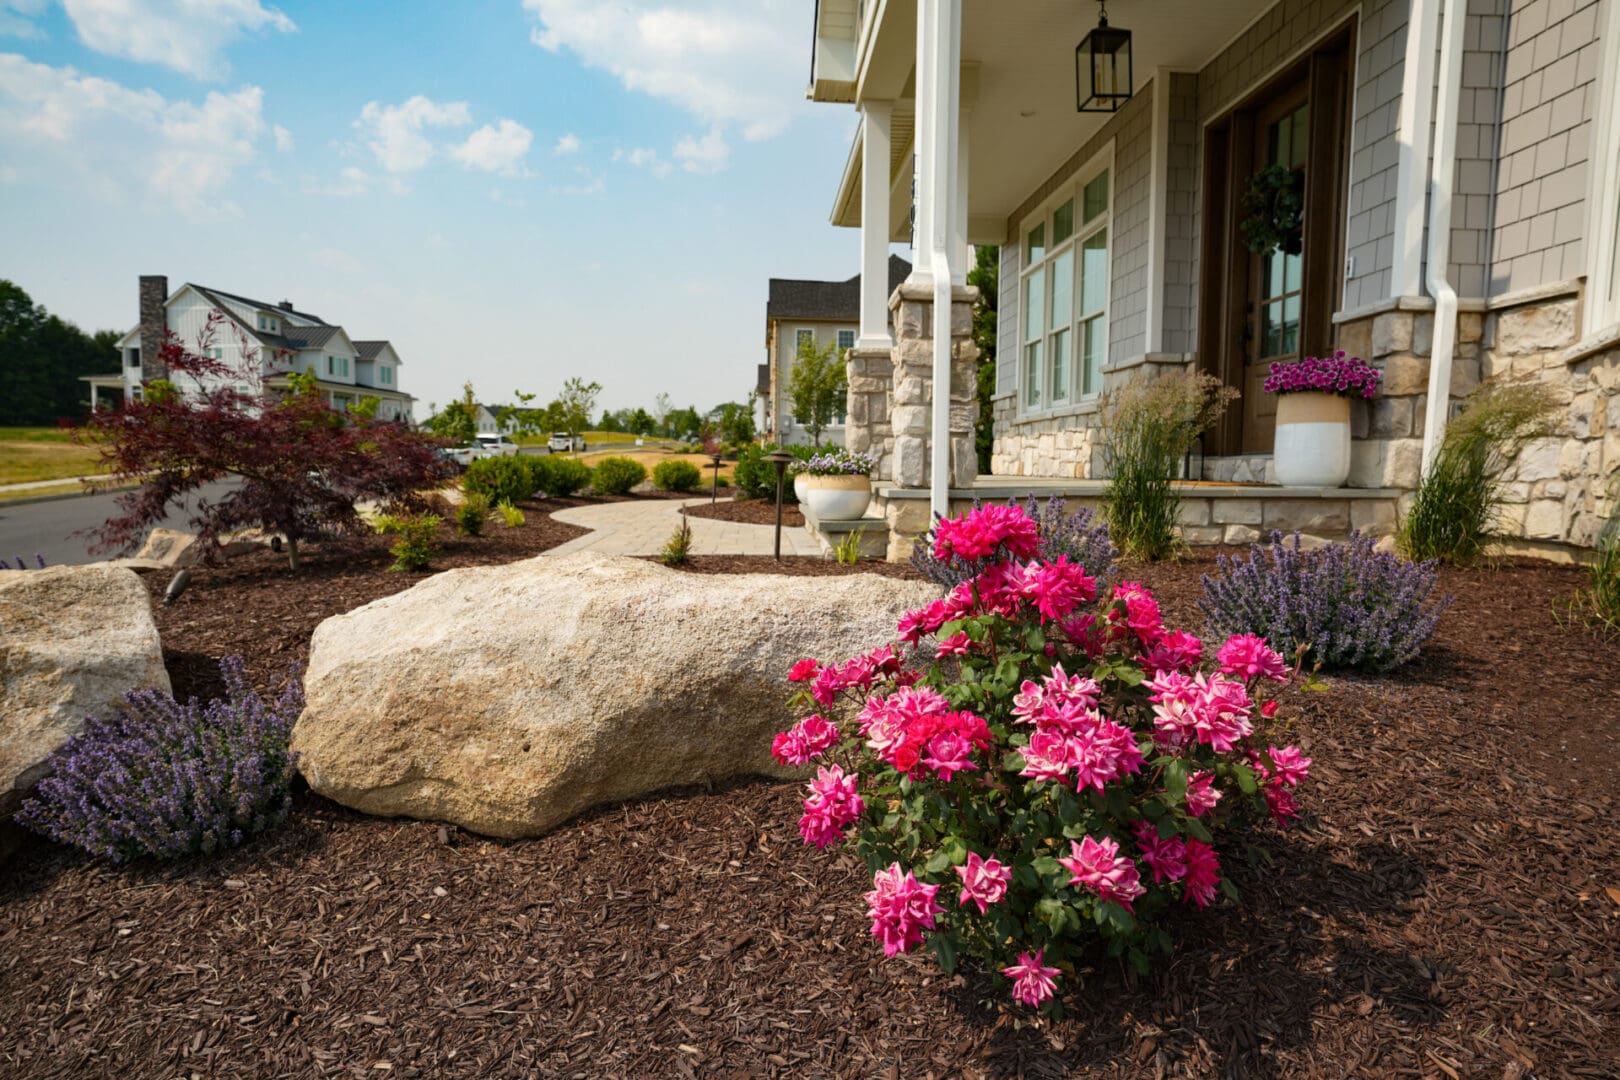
x=755, y=477
x=559, y=477
x=472, y=513
x=1457, y=510
x=678, y=548
x=676, y=475
x=1602, y=596
x=509, y=514
x=1149, y=425
x=418, y=541
x=616, y=476
x=498, y=478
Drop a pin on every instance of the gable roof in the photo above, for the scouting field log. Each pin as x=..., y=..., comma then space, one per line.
x=370, y=350
x=793, y=298
x=260, y=304
x=309, y=337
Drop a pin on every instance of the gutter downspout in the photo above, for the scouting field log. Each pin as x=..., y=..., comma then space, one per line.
x=1441, y=176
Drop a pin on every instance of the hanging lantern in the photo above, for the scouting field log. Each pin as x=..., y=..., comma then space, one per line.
x=1102, y=67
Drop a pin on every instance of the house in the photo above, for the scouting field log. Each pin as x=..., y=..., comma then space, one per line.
x=488, y=419
x=819, y=313
x=262, y=342
x=1458, y=166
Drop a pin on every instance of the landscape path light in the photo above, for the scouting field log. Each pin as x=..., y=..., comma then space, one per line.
x=781, y=459
x=714, y=463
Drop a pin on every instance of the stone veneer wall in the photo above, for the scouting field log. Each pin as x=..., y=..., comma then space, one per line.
x=870, y=397
x=911, y=416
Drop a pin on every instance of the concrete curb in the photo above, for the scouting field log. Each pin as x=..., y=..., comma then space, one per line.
x=27, y=500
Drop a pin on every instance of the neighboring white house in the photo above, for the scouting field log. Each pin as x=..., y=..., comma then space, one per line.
x=821, y=313
x=262, y=342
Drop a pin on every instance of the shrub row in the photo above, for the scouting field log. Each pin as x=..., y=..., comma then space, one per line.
x=516, y=477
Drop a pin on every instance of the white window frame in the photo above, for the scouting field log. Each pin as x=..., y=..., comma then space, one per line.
x=840, y=339
x=1076, y=398
x=1603, y=199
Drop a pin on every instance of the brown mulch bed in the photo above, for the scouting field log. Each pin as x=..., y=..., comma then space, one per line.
x=1449, y=907
x=749, y=512
x=255, y=607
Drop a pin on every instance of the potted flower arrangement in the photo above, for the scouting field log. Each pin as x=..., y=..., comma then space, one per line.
x=836, y=486
x=1313, y=416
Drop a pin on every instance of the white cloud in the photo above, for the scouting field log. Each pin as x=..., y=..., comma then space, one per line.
x=394, y=132
x=644, y=157
x=498, y=148
x=729, y=64
x=284, y=138
x=185, y=153
x=568, y=144
x=189, y=36
x=708, y=154
x=352, y=180
x=17, y=18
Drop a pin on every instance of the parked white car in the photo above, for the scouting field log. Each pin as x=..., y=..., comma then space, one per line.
x=493, y=445
x=562, y=443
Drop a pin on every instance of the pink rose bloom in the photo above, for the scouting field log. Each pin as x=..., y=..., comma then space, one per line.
x=958, y=644
x=1178, y=702
x=1268, y=709
x=948, y=755
x=901, y=908
x=1030, y=700
x=883, y=660
x=1289, y=765
x=977, y=534
x=1082, y=630
x=1032, y=983
x=984, y=881
x=1223, y=714
x=831, y=806
x=1165, y=856
x=1175, y=651
x=1203, y=873
x=807, y=739
x=1098, y=865
x=1280, y=801
x=1102, y=754
x=1046, y=757
x=1074, y=689
x=1248, y=657
x=824, y=689
x=912, y=626
x=804, y=671
x=1141, y=611
x=1057, y=588
x=1201, y=794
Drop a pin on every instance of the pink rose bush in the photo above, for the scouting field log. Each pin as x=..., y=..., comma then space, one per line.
x=1030, y=770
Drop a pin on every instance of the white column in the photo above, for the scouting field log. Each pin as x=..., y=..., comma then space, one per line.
x=961, y=253
x=875, y=120
x=1158, y=208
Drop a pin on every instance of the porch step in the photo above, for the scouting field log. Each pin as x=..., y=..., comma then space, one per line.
x=829, y=533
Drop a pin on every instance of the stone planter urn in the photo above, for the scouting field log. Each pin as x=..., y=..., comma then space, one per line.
x=834, y=498
x=799, y=480
x=1313, y=439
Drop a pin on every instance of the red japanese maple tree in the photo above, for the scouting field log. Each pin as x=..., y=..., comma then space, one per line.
x=303, y=465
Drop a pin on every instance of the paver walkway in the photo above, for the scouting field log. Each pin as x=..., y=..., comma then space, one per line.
x=643, y=526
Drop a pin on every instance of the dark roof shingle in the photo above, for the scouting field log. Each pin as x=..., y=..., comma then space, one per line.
x=791, y=298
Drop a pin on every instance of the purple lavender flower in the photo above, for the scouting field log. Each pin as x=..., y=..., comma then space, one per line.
x=163, y=779
x=1339, y=374
x=1354, y=606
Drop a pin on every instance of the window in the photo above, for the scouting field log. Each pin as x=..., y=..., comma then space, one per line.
x=132, y=358
x=1064, y=329
x=805, y=337
x=337, y=365
x=385, y=375
x=846, y=340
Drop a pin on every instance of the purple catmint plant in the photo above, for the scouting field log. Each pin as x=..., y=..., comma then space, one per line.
x=1082, y=536
x=1340, y=374
x=1353, y=605
x=163, y=779
x=39, y=561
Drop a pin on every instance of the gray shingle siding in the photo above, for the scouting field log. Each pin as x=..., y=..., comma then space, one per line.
x=1129, y=251
x=1181, y=217
x=1546, y=112
x=1007, y=318
x=1370, y=230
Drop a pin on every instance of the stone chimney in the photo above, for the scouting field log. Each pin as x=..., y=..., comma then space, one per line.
x=154, y=326
x=285, y=305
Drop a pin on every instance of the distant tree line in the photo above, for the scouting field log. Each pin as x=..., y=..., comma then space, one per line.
x=571, y=411
x=41, y=359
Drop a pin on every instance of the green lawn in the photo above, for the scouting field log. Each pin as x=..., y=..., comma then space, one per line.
x=28, y=454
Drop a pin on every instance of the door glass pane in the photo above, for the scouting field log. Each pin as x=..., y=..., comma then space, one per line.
x=1094, y=272
x=1060, y=365
x=1290, y=325
x=1062, y=289
x=1032, y=374
x=1035, y=304
x=1297, y=142
x=1092, y=345
x=1094, y=199
x=1063, y=223
x=1035, y=249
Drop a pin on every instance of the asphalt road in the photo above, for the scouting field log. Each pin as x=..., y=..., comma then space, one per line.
x=44, y=528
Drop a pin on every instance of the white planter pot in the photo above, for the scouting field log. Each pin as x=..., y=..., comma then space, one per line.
x=798, y=486
x=1313, y=440
x=835, y=498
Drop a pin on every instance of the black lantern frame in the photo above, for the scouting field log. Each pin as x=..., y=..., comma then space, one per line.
x=1097, y=63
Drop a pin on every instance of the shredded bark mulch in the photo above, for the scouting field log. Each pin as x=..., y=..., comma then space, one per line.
x=1448, y=907
x=749, y=512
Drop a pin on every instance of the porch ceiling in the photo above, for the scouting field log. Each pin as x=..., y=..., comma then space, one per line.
x=1023, y=124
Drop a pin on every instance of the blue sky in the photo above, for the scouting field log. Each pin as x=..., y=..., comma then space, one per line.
x=512, y=191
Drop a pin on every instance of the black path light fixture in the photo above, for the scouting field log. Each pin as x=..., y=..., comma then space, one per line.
x=781, y=459
x=714, y=463
x=1102, y=67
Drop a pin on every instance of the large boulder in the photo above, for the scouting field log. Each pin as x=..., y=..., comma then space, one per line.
x=73, y=641
x=507, y=699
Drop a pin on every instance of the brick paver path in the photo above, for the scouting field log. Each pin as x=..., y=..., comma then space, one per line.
x=642, y=527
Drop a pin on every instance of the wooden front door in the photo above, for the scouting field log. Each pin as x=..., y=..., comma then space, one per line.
x=1276, y=279
x=1256, y=309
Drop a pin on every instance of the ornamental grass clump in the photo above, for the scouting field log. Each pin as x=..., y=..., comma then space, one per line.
x=1082, y=536
x=1457, y=511
x=1030, y=777
x=472, y=513
x=1350, y=604
x=162, y=779
x=1149, y=426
